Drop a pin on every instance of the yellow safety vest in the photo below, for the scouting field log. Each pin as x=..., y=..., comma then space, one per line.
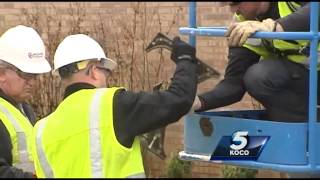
x=78, y=140
x=277, y=47
x=20, y=131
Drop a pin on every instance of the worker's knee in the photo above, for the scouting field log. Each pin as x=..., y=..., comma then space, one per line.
x=255, y=78
x=265, y=77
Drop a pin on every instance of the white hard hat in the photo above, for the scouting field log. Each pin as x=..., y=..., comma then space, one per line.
x=79, y=47
x=23, y=47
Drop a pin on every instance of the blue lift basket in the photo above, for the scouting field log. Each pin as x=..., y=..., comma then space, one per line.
x=292, y=147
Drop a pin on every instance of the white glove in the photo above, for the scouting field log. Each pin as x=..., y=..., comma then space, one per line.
x=238, y=33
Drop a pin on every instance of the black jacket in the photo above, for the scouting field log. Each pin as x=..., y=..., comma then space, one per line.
x=6, y=168
x=136, y=113
x=231, y=89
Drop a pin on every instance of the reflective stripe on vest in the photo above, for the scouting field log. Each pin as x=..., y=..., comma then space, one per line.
x=78, y=140
x=47, y=170
x=95, y=144
x=23, y=160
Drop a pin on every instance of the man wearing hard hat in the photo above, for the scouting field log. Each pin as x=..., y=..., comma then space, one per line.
x=22, y=57
x=93, y=132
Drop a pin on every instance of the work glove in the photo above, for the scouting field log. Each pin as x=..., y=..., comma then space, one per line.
x=182, y=51
x=238, y=33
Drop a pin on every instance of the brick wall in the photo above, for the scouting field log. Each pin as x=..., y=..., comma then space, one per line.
x=121, y=20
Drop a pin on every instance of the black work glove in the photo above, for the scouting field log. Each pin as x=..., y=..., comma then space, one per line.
x=182, y=51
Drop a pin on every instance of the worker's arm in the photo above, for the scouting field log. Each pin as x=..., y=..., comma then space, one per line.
x=297, y=21
x=239, y=32
x=231, y=89
x=141, y=112
x=6, y=168
x=7, y=171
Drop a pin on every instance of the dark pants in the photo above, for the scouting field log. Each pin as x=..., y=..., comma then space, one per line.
x=282, y=87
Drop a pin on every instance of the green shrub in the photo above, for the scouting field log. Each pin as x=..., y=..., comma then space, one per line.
x=178, y=168
x=238, y=172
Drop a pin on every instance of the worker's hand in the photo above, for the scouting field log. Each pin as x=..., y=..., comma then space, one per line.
x=238, y=33
x=182, y=51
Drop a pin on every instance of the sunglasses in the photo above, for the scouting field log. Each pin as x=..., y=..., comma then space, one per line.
x=103, y=68
x=103, y=61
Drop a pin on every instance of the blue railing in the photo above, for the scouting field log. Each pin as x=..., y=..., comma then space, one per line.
x=312, y=36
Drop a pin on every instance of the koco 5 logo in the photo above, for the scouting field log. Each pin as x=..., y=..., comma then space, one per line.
x=238, y=149
x=239, y=146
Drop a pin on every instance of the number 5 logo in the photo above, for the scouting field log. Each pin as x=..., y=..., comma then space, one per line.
x=239, y=136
